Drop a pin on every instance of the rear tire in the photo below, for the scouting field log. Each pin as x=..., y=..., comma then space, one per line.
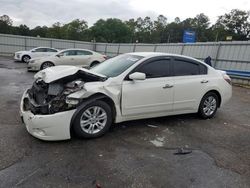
x=46, y=65
x=93, y=120
x=25, y=59
x=208, y=105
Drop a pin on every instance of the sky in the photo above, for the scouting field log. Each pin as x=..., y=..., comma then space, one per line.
x=47, y=12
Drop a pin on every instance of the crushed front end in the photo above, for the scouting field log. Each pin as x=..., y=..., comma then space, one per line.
x=47, y=110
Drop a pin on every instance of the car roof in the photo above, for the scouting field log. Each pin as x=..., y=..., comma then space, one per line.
x=155, y=54
x=78, y=49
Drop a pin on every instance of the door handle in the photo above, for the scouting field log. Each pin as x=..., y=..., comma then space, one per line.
x=167, y=86
x=204, y=81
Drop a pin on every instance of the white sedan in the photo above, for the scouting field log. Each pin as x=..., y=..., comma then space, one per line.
x=76, y=57
x=25, y=56
x=131, y=86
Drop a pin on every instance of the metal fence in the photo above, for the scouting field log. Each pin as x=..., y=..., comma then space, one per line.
x=234, y=57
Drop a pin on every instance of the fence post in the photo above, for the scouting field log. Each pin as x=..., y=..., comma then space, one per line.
x=94, y=46
x=25, y=43
x=118, y=49
x=217, y=54
x=51, y=43
x=105, y=52
x=182, y=48
x=134, y=47
x=155, y=47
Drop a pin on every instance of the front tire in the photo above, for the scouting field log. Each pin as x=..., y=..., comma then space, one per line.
x=25, y=59
x=208, y=105
x=46, y=65
x=93, y=120
x=93, y=64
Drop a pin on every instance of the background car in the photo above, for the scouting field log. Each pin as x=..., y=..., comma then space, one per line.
x=127, y=87
x=25, y=56
x=77, y=57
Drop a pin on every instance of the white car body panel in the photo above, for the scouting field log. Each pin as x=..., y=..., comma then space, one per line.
x=75, y=60
x=133, y=99
x=19, y=55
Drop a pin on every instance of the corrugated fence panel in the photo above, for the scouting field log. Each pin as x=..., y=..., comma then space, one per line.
x=84, y=45
x=125, y=48
x=63, y=44
x=144, y=48
x=101, y=47
x=32, y=43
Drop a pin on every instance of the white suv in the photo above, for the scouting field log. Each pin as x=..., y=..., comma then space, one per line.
x=127, y=87
x=25, y=56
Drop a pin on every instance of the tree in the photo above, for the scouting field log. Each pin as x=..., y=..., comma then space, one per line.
x=111, y=30
x=74, y=30
x=236, y=23
x=5, y=24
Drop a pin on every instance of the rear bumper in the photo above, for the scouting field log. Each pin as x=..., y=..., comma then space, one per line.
x=50, y=127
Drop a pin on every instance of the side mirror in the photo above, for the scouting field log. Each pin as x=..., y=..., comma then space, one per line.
x=33, y=51
x=59, y=55
x=137, y=76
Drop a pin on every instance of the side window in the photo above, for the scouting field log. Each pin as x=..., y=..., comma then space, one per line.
x=40, y=50
x=203, y=69
x=69, y=53
x=185, y=67
x=156, y=69
x=51, y=50
x=82, y=52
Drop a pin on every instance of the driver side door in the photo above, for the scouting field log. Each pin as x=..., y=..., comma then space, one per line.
x=152, y=95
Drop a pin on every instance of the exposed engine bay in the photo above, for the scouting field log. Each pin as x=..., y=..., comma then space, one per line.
x=50, y=98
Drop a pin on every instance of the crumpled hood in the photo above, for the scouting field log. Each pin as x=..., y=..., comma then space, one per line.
x=57, y=72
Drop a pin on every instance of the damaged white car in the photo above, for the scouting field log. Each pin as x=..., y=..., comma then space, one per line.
x=66, y=99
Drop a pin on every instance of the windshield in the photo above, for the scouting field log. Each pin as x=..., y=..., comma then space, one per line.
x=117, y=65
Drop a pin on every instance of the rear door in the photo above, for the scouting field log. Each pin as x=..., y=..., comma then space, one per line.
x=39, y=52
x=190, y=83
x=84, y=58
x=152, y=95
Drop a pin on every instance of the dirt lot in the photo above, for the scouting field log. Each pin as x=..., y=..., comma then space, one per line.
x=132, y=154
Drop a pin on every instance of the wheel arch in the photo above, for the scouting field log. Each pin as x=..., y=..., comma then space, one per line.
x=93, y=62
x=25, y=55
x=46, y=62
x=217, y=93
x=90, y=99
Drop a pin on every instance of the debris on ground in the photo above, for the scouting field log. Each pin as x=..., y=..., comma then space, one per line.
x=153, y=126
x=182, y=151
x=158, y=142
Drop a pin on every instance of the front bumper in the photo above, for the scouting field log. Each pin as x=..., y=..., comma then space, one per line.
x=50, y=127
x=17, y=57
x=33, y=67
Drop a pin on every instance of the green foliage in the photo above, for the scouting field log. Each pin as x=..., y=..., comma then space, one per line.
x=111, y=30
x=236, y=23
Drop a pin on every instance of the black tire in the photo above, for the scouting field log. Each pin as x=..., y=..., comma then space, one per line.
x=94, y=63
x=46, y=65
x=78, y=130
x=25, y=59
x=204, y=112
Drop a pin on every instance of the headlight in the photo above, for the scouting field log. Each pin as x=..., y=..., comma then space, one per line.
x=32, y=61
x=72, y=101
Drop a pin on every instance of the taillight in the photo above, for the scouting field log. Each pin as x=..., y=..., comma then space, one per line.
x=227, y=79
